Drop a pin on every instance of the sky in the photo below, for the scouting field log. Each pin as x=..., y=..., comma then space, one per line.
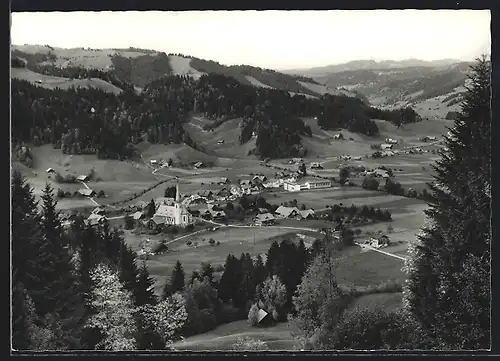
x=269, y=39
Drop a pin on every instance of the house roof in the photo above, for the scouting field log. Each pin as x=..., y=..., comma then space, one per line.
x=306, y=213
x=217, y=213
x=95, y=219
x=137, y=215
x=265, y=217
x=158, y=219
x=261, y=315
x=97, y=210
x=286, y=211
x=50, y=170
x=81, y=177
x=86, y=192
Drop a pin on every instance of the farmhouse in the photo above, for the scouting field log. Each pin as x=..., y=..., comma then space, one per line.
x=386, y=146
x=287, y=212
x=259, y=179
x=391, y=141
x=50, y=170
x=173, y=212
x=205, y=193
x=380, y=242
x=307, y=214
x=264, y=219
x=99, y=211
x=198, y=165
x=316, y=166
x=315, y=184
x=223, y=180
x=86, y=192
x=217, y=215
x=94, y=219
x=82, y=178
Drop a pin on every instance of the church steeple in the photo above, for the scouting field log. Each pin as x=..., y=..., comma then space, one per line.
x=177, y=194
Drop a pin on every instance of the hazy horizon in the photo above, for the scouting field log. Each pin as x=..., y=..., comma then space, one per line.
x=281, y=40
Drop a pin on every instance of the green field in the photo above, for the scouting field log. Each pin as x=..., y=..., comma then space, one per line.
x=234, y=241
x=277, y=337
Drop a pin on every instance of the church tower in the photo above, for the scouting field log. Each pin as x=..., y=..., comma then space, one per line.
x=177, y=204
x=177, y=194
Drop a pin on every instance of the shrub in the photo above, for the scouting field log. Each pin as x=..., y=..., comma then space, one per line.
x=189, y=243
x=373, y=329
x=60, y=193
x=212, y=242
x=174, y=230
x=217, y=243
x=370, y=183
x=253, y=315
x=390, y=229
x=101, y=194
x=250, y=344
x=377, y=154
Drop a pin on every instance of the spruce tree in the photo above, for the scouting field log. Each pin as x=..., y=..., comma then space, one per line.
x=176, y=283
x=207, y=272
x=22, y=317
x=260, y=271
x=151, y=209
x=26, y=235
x=247, y=283
x=145, y=294
x=60, y=295
x=448, y=288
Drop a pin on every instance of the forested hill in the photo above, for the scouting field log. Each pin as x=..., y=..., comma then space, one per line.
x=139, y=67
x=87, y=120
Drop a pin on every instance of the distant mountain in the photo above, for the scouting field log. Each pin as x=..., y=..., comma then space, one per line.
x=394, y=83
x=369, y=64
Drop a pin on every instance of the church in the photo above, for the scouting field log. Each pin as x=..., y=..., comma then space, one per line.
x=171, y=211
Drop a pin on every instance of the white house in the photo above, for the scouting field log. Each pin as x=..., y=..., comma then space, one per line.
x=323, y=183
x=386, y=146
x=291, y=187
x=173, y=213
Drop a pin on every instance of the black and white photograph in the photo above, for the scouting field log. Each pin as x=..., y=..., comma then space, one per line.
x=250, y=181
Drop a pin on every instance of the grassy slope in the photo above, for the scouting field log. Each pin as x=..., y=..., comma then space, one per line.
x=277, y=337
x=52, y=82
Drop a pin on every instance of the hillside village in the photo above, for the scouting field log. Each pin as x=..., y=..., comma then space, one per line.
x=162, y=201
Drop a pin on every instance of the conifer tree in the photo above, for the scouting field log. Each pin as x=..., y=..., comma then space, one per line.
x=60, y=295
x=145, y=288
x=230, y=281
x=260, y=271
x=448, y=288
x=247, y=284
x=207, y=272
x=151, y=209
x=176, y=283
x=22, y=317
x=26, y=234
